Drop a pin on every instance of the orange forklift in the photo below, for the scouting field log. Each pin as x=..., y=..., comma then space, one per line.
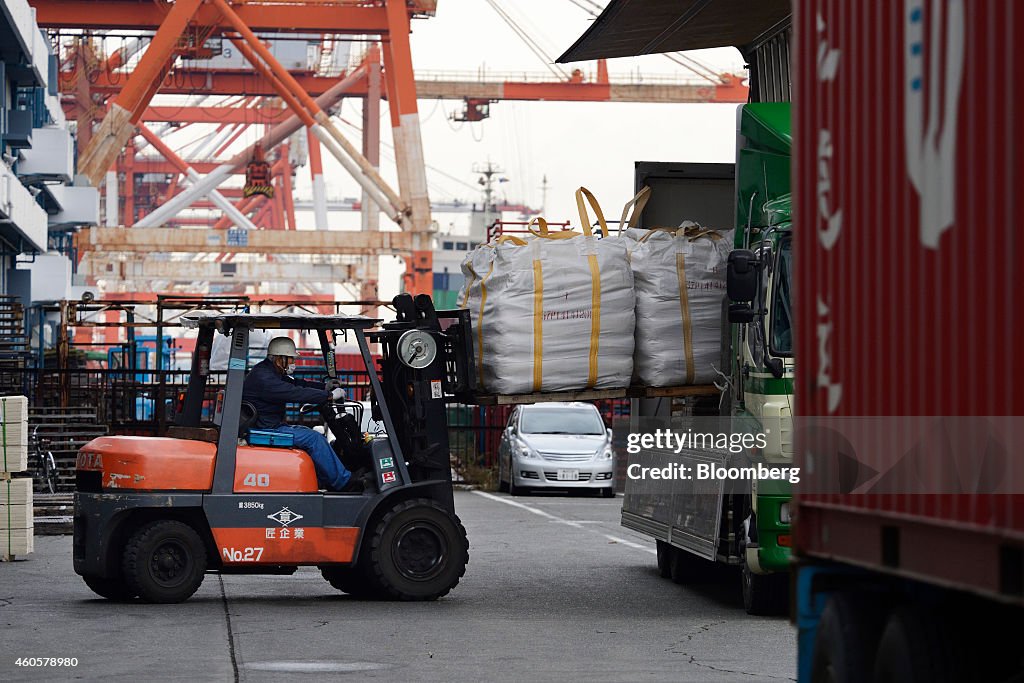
x=153, y=515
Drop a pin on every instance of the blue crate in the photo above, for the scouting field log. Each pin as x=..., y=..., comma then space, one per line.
x=263, y=437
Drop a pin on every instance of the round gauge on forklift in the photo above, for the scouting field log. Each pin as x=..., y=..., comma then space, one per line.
x=417, y=349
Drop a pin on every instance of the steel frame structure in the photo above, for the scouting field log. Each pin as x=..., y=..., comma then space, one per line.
x=116, y=90
x=182, y=29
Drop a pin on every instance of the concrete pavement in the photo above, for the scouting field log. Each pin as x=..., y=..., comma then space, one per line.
x=555, y=590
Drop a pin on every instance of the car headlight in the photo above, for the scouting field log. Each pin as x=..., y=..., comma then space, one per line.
x=525, y=451
x=784, y=513
x=606, y=454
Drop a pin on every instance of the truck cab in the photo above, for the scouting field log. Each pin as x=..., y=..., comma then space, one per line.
x=758, y=346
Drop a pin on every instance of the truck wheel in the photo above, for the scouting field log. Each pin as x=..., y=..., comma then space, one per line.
x=685, y=567
x=349, y=580
x=764, y=594
x=665, y=552
x=164, y=562
x=844, y=645
x=417, y=551
x=111, y=589
x=914, y=648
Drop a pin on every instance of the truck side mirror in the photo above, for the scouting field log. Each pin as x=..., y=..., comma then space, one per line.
x=741, y=277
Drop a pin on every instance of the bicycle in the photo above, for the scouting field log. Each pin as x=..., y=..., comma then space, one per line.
x=46, y=465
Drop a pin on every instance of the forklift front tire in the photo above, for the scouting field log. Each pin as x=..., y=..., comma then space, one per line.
x=349, y=580
x=111, y=589
x=164, y=561
x=418, y=551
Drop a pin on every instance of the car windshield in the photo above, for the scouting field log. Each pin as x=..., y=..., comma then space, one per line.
x=575, y=421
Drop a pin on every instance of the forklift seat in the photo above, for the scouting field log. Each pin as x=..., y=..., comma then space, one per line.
x=246, y=418
x=207, y=434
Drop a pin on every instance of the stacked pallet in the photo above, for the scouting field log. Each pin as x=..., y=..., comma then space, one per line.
x=54, y=513
x=62, y=431
x=13, y=343
x=16, y=526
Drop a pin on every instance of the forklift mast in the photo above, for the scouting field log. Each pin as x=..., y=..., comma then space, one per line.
x=426, y=362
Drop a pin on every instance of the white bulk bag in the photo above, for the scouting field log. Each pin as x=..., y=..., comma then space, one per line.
x=680, y=281
x=553, y=312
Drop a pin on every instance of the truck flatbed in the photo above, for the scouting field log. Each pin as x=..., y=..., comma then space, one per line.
x=595, y=394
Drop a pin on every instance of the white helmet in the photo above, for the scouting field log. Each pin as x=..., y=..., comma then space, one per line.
x=282, y=346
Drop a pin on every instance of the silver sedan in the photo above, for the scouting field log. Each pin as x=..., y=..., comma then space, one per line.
x=556, y=445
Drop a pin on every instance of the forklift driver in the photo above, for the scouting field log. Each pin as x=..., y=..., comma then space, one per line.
x=270, y=386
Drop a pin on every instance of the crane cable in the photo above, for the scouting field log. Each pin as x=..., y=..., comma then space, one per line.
x=701, y=70
x=535, y=47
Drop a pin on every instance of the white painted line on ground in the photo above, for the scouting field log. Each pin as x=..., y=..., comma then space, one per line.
x=567, y=522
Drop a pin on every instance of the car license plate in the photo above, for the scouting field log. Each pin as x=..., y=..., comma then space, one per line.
x=568, y=475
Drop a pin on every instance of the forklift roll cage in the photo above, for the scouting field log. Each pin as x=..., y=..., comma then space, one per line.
x=237, y=327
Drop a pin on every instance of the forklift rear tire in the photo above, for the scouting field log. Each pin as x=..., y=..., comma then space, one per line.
x=418, y=551
x=111, y=589
x=164, y=561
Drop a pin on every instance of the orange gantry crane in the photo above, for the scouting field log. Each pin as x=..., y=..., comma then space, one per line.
x=183, y=30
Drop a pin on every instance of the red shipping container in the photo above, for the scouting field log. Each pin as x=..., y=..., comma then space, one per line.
x=907, y=175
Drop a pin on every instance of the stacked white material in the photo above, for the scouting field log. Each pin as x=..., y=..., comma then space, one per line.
x=16, y=521
x=13, y=433
x=551, y=313
x=680, y=283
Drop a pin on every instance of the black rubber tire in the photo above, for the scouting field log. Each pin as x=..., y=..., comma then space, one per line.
x=665, y=552
x=111, y=589
x=608, y=492
x=514, y=490
x=50, y=472
x=915, y=647
x=436, y=538
x=349, y=580
x=685, y=567
x=168, y=545
x=764, y=595
x=502, y=484
x=846, y=638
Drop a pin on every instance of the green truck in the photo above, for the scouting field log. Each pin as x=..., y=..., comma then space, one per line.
x=731, y=517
